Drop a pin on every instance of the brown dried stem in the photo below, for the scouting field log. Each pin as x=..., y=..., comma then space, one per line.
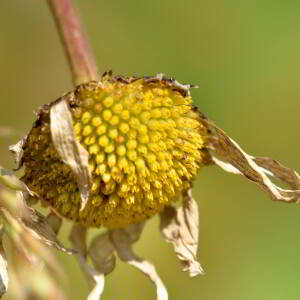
x=81, y=59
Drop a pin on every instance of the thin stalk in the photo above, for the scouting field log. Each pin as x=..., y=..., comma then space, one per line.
x=81, y=60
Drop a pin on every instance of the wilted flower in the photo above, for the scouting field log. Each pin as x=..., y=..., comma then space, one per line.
x=116, y=152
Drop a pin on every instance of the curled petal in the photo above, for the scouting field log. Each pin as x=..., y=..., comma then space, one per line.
x=101, y=252
x=37, y=225
x=123, y=240
x=94, y=276
x=97, y=291
x=70, y=151
x=227, y=154
x=17, y=151
x=279, y=171
x=3, y=267
x=180, y=227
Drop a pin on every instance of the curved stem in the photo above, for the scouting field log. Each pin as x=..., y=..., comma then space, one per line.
x=81, y=59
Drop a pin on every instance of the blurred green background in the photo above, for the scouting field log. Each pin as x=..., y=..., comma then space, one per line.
x=245, y=56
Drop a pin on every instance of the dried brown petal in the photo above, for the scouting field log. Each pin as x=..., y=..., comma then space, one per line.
x=54, y=221
x=101, y=252
x=227, y=154
x=28, y=219
x=3, y=267
x=70, y=151
x=37, y=225
x=180, y=227
x=123, y=240
x=279, y=171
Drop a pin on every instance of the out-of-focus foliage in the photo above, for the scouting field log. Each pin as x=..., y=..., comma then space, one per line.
x=245, y=57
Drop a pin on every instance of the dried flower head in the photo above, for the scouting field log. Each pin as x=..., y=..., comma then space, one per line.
x=144, y=142
x=116, y=152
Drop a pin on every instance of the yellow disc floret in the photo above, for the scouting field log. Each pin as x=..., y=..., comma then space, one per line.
x=144, y=141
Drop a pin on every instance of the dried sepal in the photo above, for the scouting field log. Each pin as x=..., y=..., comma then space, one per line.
x=123, y=239
x=227, y=154
x=70, y=151
x=3, y=266
x=180, y=227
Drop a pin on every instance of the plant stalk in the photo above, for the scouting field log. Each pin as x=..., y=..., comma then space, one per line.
x=81, y=60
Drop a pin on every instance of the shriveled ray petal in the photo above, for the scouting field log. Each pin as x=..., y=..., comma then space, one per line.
x=97, y=291
x=123, y=240
x=70, y=151
x=17, y=151
x=3, y=267
x=226, y=153
x=11, y=181
x=94, y=277
x=101, y=252
x=32, y=221
x=180, y=227
x=279, y=171
x=38, y=226
x=78, y=238
x=54, y=221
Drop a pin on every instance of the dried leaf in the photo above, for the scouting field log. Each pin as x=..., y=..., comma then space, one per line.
x=227, y=154
x=3, y=267
x=180, y=227
x=123, y=240
x=70, y=151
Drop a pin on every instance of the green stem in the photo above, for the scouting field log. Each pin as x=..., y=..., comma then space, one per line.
x=81, y=59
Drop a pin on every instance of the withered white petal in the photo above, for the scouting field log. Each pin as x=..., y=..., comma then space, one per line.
x=17, y=151
x=180, y=227
x=70, y=151
x=123, y=240
x=226, y=153
x=97, y=291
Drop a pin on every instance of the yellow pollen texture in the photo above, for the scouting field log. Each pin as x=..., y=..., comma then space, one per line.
x=145, y=146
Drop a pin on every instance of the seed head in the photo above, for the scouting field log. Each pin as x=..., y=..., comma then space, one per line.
x=144, y=141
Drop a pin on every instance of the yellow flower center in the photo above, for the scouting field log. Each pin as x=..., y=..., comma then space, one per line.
x=144, y=142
